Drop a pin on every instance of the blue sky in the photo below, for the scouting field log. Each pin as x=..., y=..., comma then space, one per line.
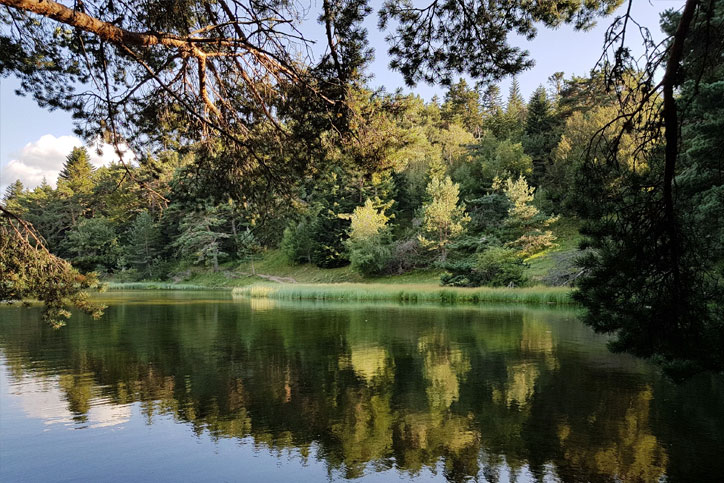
x=34, y=141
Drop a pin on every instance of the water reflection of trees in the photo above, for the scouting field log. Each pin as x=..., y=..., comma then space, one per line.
x=368, y=388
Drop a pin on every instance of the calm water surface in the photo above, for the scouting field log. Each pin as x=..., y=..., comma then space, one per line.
x=189, y=387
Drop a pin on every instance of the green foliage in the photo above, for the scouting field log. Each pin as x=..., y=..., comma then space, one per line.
x=488, y=213
x=29, y=271
x=494, y=267
x=13, y=195
x=491, y=158
x=437, y=44
x=462, y=107
x=499, y=266
x=514, y=118
x=76, y=171
x=76, y=183
x=542, y=133
x=444, y=218
x=297, y=242
x=569, y=155
x=279, y=159
x=246, y=244
x=143, y=250
x=368, y=242
x=93, y=244
x=370, y=256
x=328, y=233
x=201, y=237
x=366, y=221
x=653, y=278
x=525, y=220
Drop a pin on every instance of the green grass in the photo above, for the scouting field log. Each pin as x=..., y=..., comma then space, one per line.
x=274, y=263
x=357, y=292
x=568, y=238
x=154, y=286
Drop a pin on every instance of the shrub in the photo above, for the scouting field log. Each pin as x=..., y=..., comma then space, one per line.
x=496, y=267
x=460, y=273
x=370, y=256
x=297, y=242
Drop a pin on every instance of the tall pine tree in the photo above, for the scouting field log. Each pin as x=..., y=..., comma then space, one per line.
x=75, y=184
x=541, y=132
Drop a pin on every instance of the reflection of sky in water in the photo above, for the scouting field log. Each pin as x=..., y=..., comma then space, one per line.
x=309, y=392
x=43, y=399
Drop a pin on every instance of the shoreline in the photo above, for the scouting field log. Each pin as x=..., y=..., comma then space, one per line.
x=358, y=292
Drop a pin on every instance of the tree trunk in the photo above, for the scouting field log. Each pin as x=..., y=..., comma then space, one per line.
x=671, y=124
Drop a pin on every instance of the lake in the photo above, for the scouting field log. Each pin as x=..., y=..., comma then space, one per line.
x=189, y=386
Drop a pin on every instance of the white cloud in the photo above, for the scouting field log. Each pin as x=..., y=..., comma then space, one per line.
x=44, y=158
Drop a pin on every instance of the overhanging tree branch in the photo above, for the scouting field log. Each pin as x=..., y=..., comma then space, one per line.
x=671, y=125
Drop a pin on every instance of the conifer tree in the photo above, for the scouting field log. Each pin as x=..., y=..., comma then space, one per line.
x=444, y=217
x=143, y=242
x=202, y=236
x=541, y=133
x=462, y=106
x=515, y=113
x=369, y=237
x=93, y=244
x=75, y=183
x=526, y=222
x=12, y=196
x=492, y=100
x=494, y=115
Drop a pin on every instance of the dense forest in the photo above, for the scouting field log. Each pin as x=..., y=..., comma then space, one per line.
x=472, y=183
x=240, y=148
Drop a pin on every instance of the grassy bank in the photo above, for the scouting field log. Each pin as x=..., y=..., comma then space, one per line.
x=308, y=282
x=156, y=286
x=271, y=263
x=430, y=293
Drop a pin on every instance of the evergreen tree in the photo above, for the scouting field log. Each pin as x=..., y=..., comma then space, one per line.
x=13, y=195
x=75, y=184
x=93, y=244
x=654, y=209
x=369, y=240
x=366, y=221
x=47, y=213
x=202, y=236
x=144, y=237
x=515, y=113
x=492, y=100
x=297, y=242
x=556, y=81
x=462, y=106
x=77, y=168
x=493, y=112
x=444, y=217
x=14, y=191
x=541, y=133
x=525, y=220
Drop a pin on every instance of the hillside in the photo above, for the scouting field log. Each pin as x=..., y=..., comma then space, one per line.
x=273, y=266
